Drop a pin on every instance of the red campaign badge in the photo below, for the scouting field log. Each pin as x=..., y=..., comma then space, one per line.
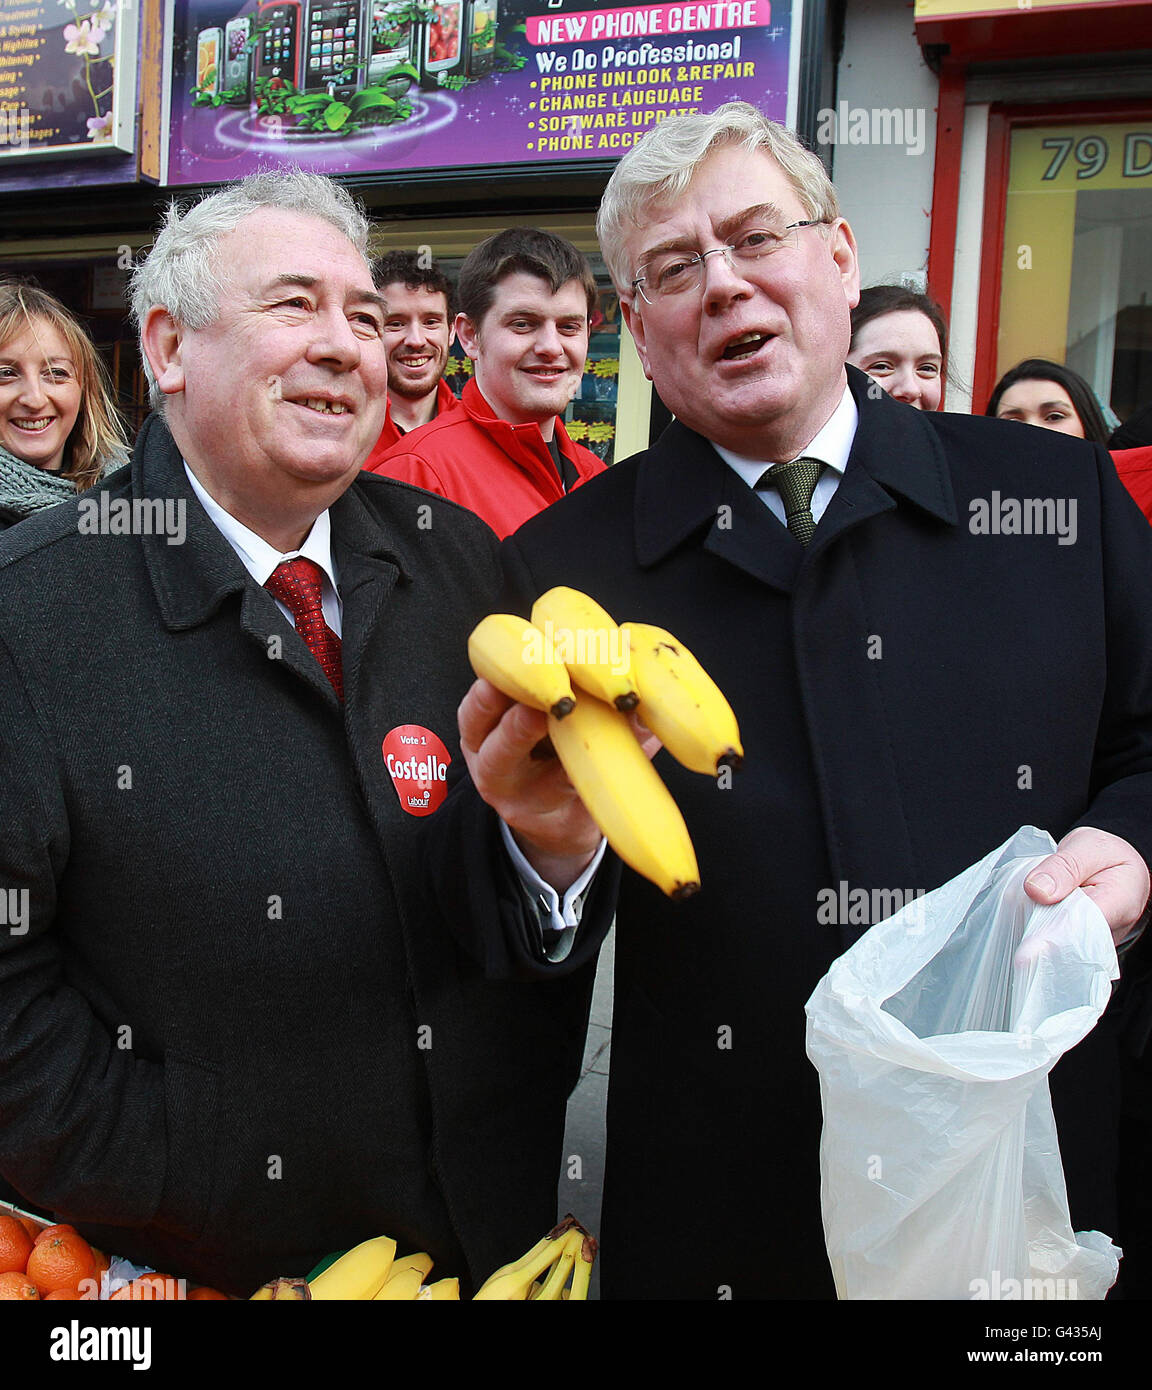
x=417, y=762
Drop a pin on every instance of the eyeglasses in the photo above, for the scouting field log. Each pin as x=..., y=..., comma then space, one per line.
x=672, y=272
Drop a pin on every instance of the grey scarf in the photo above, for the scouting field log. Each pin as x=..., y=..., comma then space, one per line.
x=25, y=489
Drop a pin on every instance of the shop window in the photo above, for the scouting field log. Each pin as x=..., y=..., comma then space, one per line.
x=1076, y=277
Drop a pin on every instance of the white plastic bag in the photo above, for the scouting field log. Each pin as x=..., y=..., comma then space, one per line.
x=934, y=1036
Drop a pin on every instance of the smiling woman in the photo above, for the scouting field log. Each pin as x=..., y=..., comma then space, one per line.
x=59, y=431
x=899, y=338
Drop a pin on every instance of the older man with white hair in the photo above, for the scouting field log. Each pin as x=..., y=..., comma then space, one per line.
x=234, y=1036
x=910, y=687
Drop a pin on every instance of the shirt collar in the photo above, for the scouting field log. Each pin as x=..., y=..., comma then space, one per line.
x=831, y=446
x=260, y=558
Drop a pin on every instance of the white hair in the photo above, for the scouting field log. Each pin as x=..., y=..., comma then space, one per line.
x=658, y=169
x=182, y=271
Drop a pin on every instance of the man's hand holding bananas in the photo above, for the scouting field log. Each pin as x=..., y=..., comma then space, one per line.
x=600, y=779
x=531, y=794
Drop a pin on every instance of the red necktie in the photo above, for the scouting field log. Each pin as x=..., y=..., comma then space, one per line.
x=297, y=584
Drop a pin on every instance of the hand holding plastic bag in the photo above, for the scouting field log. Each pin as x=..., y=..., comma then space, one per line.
x=934, y=1036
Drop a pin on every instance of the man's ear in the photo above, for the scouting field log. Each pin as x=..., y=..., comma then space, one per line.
x=842, y=244
x=161, y=340
x=467, y=336
x=635, y=321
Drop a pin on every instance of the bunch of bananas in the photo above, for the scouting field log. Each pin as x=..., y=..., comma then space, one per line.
x=557, y=1267
x=368, y=1271
x=589, y=674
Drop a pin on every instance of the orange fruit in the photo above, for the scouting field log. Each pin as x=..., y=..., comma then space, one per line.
x=204, y=1292
x=14, y=1285
x=151, y=1286
x=47, y=1232
x=71, y=1292
x=15, y=1244
x=60, y=1262
x=31, y=1225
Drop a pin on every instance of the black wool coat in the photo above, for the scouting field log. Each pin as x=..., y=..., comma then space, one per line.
x=911, y=689
x=234, y=1033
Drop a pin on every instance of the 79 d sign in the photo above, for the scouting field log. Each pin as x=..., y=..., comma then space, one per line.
x=1090, y=153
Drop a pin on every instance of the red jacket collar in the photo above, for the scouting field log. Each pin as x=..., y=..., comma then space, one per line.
x=514, y=438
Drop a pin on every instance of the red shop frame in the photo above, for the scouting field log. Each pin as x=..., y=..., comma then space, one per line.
x=1002, y=120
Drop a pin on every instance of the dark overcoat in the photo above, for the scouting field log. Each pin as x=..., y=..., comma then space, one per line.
x=234, y=1036
x=912, y=688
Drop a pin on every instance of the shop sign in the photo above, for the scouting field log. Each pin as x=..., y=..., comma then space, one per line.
x=67, y=77
x=365, y=86
x=1077, y=157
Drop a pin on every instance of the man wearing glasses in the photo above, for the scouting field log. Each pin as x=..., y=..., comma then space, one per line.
x=911, y=688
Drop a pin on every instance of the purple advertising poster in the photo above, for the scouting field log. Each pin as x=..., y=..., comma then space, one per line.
x=67, y=77
x=365, y=86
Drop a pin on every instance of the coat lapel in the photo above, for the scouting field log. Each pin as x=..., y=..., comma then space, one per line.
x=684, y=489
x=684, y=486
x=895, y=455
x=191, y=581
x=369, y=566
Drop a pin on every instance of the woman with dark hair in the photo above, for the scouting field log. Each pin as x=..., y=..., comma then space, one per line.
x=899, y=338
x=59, y=431
x=1039, y=392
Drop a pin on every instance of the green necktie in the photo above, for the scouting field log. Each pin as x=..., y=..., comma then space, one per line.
x=797, y=482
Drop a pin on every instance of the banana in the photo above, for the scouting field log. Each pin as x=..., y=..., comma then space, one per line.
x=403, y=1286
x=624, y=795
x=681, y=703
x=513, y=1281
x=513, y=654
x=283, y=1291
x=589, y=643
x=575, y=1259
x=441, y=1290
x=582, y=1273
x=406, y=1277
x=359, y=1274
x=553, y=1285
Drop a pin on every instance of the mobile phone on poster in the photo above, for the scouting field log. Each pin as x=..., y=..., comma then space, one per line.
x=443, y=54
x=330, y=58
x=237, y=60
x=209, y=45
x=481, y=37
x=390, y=42
x=278, y=51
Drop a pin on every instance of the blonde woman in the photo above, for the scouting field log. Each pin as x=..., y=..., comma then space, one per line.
x=59, y=429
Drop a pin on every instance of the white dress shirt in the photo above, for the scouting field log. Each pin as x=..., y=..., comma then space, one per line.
x=831, y=446
x=260, y=558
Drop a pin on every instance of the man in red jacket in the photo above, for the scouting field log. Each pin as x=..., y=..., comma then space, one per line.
x=417, y=335
x=526, y=302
